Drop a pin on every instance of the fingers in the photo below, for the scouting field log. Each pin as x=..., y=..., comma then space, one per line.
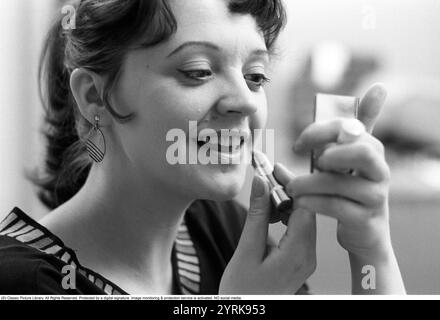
x=353, y=188
x=365, y=158
x=350, y=131
x=301, y=230
x=252, y=244
x=371, y=106
x=347, y=146
x=343, y=210
x=301, y=224
x=282, y=174
x=320, y=134
x=297, y=248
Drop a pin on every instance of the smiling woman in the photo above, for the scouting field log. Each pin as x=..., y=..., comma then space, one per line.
x=124, y=219
x=131, y=71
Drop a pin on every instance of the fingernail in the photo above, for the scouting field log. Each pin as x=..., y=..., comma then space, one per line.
x=258, y=187
x=281, y=167
x=282, y=174
x=379, y=91
x=350, y=131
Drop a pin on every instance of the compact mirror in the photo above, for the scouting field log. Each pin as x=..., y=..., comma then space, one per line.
x=329, y=106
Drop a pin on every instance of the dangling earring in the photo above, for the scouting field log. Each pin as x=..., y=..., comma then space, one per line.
x=96, y=143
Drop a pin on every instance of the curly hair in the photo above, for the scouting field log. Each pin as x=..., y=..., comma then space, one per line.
x=104, y=32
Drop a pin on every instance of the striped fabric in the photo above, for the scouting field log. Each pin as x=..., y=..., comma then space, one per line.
x=21, y=227
x=188, y=267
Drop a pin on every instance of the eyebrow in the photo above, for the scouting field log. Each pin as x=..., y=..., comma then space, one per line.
x=212, y=46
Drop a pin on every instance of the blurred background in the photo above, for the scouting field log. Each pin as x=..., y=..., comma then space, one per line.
x=338, y=46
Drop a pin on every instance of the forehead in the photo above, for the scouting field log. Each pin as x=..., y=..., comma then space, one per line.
x=211, y=20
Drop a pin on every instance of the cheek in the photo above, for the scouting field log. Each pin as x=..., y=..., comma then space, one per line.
x=259, y=119
x=179, y=105
x=159, y=110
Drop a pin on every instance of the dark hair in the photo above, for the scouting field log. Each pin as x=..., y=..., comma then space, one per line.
x=104, y=32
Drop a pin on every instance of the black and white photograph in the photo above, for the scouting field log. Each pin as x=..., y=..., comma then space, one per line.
x=236, y=149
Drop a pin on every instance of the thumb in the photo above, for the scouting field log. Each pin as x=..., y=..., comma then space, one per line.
x=253, y=241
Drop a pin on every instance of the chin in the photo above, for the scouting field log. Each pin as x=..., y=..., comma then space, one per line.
x=214, y=182
x=222, y=189
x=226, y=194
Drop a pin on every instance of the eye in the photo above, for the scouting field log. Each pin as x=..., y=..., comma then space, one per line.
x=257, y=79
x=201, y=74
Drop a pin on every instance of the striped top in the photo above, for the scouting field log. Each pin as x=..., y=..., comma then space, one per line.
x=32, y=258
x=17, y=225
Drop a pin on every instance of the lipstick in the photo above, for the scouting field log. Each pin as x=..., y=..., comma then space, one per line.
x=264, y=168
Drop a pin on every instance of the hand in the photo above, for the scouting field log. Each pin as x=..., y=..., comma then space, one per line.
x=359, y=202
x=256, y=267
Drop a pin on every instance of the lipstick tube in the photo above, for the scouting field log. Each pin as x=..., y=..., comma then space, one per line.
x=264, y=168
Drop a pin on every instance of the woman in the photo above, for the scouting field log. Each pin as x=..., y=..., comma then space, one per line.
x=129, y=221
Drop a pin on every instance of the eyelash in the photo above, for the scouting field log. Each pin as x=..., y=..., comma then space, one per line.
x=206, y=74
x=195, y=74
x=262, y=81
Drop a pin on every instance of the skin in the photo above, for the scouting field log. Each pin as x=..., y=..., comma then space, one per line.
x=124, y=220
x=134, y=199
x=358, y=202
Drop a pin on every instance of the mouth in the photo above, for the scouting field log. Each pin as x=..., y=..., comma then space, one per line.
x=221, y=146
x=226, y=143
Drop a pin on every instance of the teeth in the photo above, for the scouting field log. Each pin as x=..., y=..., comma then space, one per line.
x=226, y=141
x=205, y=139
x=225, y=138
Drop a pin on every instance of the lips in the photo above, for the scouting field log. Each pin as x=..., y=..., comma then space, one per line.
x=224, y=147
x=223, y=141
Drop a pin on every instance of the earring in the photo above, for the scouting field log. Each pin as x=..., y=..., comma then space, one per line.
x=96, y=143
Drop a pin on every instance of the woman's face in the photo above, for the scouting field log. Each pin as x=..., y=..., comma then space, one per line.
x=209, y=71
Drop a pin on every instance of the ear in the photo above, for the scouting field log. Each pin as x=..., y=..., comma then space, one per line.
x=87, y=88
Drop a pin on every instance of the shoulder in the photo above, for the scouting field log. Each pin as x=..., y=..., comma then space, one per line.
x=22, y=267
x=26, y=270
x=35, y=261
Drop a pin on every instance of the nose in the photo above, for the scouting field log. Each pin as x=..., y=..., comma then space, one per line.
x=238, y=98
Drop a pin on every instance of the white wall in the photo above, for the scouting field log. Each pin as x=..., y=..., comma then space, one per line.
x=407, y=38
x=22, y=25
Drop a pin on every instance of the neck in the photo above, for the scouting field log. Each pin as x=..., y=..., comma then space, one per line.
x=123, y=223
